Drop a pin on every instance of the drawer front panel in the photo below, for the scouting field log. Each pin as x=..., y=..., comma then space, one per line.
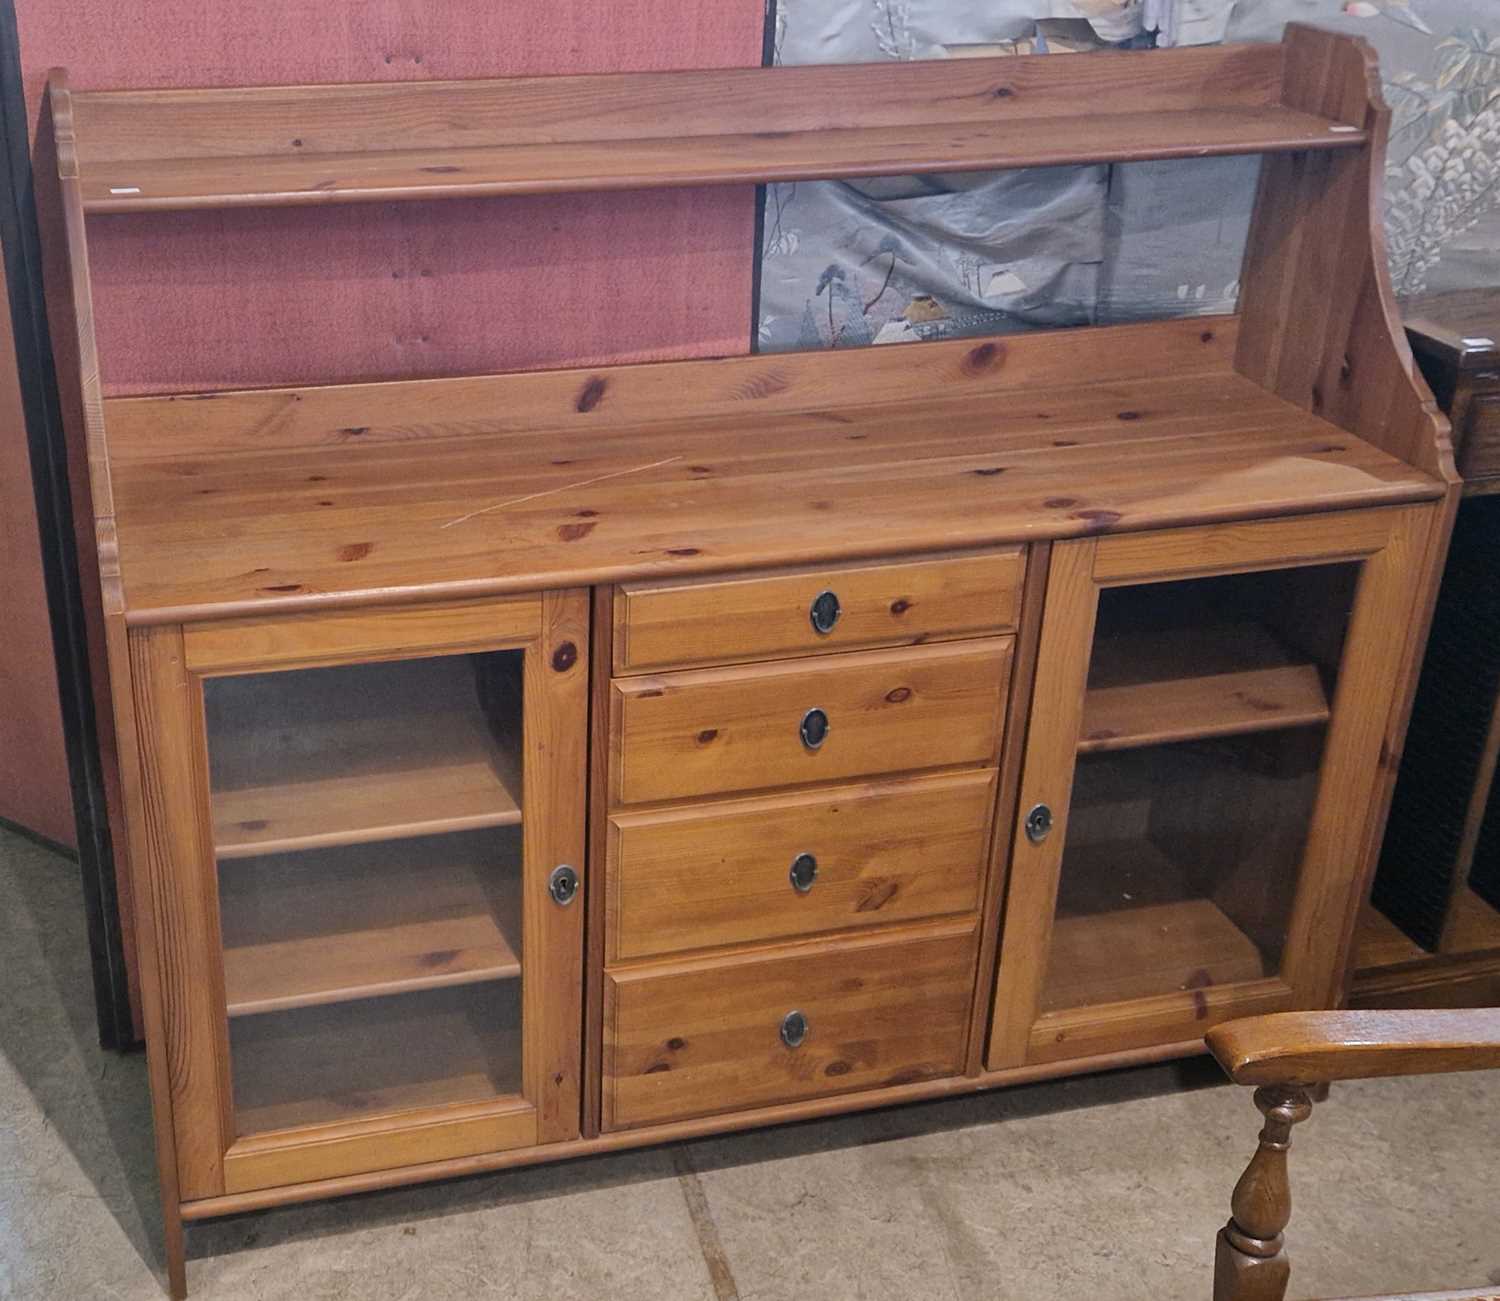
x=712, y=731
x=676, y=624
x=863, y=855
x=1480, y=455
x=698, y=1039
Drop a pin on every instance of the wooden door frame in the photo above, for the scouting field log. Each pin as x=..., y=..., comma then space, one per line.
x=169, y=665
x=1389, y=544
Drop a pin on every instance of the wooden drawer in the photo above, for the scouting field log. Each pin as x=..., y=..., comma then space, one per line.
x=708, y=875
x=710, y=731
x=1479, y=455
x=673, y=624
x=691, y=1039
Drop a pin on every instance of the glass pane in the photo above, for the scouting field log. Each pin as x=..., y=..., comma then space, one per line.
x=367, y=830
x=1203, y=735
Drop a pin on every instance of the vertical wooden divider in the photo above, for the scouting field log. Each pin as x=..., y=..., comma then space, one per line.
x=1012, y=759
x=598, y=868
x=554, y=770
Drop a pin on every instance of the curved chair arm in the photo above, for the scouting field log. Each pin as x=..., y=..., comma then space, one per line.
x=1286, y=1054
x=1317, y=1047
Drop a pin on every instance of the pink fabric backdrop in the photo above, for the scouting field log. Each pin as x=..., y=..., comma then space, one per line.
x=370, y=291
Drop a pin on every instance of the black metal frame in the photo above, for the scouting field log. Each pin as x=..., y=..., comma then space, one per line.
x=20, y=242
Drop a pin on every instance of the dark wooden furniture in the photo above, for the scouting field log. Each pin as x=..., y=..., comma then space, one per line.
x=527, y=765
x=1287, y=1056
x=1432, y=935
x=1456, y=339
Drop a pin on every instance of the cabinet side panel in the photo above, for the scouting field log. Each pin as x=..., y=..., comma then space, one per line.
x=1319, y=324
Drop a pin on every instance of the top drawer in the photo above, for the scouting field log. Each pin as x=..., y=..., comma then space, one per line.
x=676, y=623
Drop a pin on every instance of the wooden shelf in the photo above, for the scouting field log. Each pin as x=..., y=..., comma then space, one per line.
x=332, y=926
x=353, y=1061
x=1132, y=953
x=153, y=150
x=1153, y=688
x=1475, y=927
x=575, y=166
x=342, y=756
x=1182, y=709
x=255, y=501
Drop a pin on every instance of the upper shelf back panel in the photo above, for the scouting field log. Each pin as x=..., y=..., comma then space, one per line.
x=169, y=149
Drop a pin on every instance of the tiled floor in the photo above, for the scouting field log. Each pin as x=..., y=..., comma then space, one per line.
x=1107, y=1188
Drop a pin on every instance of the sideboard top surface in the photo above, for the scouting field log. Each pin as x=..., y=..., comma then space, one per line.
x=301, y=498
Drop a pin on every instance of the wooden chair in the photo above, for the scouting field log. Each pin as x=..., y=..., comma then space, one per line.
x=1289, y=1056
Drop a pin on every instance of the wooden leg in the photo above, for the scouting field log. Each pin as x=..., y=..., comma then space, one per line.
x=1250, y=1261
x=176, y=1248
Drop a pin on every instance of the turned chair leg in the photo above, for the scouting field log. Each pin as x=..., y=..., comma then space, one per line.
x=1250, y=1260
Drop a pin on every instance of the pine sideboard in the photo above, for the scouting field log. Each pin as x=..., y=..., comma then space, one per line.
x=524, y=765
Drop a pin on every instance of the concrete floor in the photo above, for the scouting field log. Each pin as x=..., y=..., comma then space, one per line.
x=1107, y=1187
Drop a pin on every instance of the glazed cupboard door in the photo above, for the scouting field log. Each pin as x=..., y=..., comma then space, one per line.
x=365, y=838
x=1204, y=751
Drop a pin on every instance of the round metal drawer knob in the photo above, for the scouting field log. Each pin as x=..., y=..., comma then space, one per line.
x=824, y=612
x=804, y=872
x=814, y=728
x=793, y=1029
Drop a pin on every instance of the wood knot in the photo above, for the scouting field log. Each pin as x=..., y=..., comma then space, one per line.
x=1060, y=503
x=572, y=532
x=989, y=471
x=837, y=1068
x=708, y=736
x=874, y=895
x=900, y=605
x=898, y=695
x=676, y=1044
x=682, y=551
x=564, y=657
x=978, y=360
x=356, y=551
x=1098, y=519
x=1128, y=415
x=591, y=394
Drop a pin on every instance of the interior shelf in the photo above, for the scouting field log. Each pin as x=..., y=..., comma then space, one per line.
x=405, y=750
x=1225, y=704
x=747, y=158
x=1130, y=926
x=352, y=1061
x=1221, y=680
x=1141, y=952
x=336, y=925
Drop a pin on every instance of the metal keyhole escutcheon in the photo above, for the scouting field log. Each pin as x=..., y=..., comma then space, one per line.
x=1038, y=824
x=814, y=729
x=803, y=873
x=793, y=1029
x=562, y=885
x=824, y=612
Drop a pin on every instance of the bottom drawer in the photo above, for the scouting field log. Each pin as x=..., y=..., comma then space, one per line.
x=692, y=1039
